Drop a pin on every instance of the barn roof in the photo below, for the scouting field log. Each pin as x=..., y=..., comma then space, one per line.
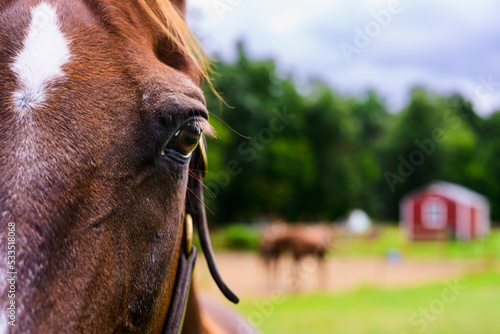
x=452, y=191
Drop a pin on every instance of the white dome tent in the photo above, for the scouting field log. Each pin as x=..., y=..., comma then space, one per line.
x=358, y=222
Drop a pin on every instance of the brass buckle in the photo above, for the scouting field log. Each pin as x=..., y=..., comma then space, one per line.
x=188, y=234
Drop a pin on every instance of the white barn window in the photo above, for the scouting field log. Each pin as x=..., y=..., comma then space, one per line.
x=434, y=213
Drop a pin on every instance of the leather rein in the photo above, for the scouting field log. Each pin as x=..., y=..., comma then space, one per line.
x=195, y=212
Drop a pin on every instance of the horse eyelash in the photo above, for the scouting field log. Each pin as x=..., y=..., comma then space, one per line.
x=205, y=127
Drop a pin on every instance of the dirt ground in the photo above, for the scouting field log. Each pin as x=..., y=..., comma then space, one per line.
x=247, y=275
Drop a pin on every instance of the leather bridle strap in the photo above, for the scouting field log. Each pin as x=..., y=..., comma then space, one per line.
x=177, y=309
x=195, y=207
x=197, y=210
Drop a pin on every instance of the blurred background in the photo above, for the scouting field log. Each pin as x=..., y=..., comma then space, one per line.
x=369, y=130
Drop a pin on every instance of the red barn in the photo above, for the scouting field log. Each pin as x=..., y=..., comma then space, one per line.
x=442, y=210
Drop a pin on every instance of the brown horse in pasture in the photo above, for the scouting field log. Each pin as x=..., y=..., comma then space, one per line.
x=299, y=240
x=101, y=163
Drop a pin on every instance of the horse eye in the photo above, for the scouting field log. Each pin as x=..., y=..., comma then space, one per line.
x=186, y=139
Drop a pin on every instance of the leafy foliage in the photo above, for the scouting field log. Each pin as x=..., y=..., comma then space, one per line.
x=317, y=155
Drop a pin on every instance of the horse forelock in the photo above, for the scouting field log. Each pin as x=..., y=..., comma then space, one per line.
x=169, y=21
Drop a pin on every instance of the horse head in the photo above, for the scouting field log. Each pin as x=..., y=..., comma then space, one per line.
x=101, y=118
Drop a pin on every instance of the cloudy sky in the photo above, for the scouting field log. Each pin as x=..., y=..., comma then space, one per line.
x=355, y=45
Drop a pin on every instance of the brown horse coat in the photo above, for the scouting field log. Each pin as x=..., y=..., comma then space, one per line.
x=299, y=240
x=92, y=95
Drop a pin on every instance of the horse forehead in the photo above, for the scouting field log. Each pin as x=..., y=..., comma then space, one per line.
x=67, y=79
x=51, y=49
x=51, y=99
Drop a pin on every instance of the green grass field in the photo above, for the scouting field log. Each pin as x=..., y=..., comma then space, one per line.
x=391, y=238
x=471, y=307
x=246, y=238
x=429, y=309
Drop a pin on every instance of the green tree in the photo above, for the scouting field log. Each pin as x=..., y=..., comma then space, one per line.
x=318, y=155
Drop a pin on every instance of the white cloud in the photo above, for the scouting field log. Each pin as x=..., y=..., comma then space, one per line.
x=446, y=45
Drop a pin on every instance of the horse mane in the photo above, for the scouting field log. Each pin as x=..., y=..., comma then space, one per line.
x=171, y=22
